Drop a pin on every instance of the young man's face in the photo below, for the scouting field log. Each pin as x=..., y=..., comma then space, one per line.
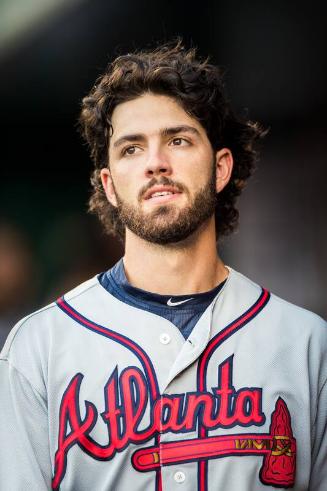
x=162, y=173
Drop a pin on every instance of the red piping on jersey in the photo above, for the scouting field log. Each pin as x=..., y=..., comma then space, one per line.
x=215, y=342
x=129, y=344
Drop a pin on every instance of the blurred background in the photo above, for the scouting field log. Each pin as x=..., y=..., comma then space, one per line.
x=51, y=52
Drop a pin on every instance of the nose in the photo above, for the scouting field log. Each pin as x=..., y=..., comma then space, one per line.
x=158, y=165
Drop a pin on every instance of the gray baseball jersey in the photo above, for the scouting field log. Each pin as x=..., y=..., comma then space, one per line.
x=100, y=395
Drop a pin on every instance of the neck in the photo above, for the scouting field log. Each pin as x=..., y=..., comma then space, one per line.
x=177, y=269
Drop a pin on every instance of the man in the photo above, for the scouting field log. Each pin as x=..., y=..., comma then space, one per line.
x=171, y=370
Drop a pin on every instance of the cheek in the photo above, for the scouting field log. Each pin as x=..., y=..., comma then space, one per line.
x=125, y=187
x=200, y=171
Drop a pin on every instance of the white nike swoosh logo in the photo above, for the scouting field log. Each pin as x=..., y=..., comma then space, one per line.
x=173, y=304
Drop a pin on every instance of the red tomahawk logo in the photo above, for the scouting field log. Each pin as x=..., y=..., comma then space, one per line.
x=278, y=449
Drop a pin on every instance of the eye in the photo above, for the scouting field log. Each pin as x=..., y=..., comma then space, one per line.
x=130, y=150
x=178, y=142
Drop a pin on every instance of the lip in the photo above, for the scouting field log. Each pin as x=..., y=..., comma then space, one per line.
x=167, y=198
x=162, y=189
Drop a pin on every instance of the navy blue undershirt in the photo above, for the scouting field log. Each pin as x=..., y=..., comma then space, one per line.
x=183, y=315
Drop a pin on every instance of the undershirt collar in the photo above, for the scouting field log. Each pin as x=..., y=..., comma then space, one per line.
x=116, y=276
x=182, y=310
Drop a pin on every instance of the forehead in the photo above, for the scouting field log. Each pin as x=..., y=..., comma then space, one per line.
x=148, y=114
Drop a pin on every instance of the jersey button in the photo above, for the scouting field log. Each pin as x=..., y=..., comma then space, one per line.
x=164, y=338
x=179, y=476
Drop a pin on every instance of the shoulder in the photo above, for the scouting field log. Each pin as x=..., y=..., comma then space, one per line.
x=280, y=310
x=33, y=332
x=288, y=331
x=41, y=344
x=296, y=313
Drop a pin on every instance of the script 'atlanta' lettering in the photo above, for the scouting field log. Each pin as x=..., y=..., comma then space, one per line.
x=126, y=397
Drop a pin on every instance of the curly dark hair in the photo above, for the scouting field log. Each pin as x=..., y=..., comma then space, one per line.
x=198, y=87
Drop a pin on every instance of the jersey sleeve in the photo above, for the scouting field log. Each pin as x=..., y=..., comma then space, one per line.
x=318, y=479
x=24, y=441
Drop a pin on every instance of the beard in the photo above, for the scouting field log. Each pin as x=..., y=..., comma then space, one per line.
x=167, y=224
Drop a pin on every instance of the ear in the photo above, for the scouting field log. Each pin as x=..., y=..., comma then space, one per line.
x=224, y=168
x=108, y=186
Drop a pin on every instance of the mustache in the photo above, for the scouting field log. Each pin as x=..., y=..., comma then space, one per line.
x=162, y=181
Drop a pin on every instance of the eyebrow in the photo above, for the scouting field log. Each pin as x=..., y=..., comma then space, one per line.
x=173, y=130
